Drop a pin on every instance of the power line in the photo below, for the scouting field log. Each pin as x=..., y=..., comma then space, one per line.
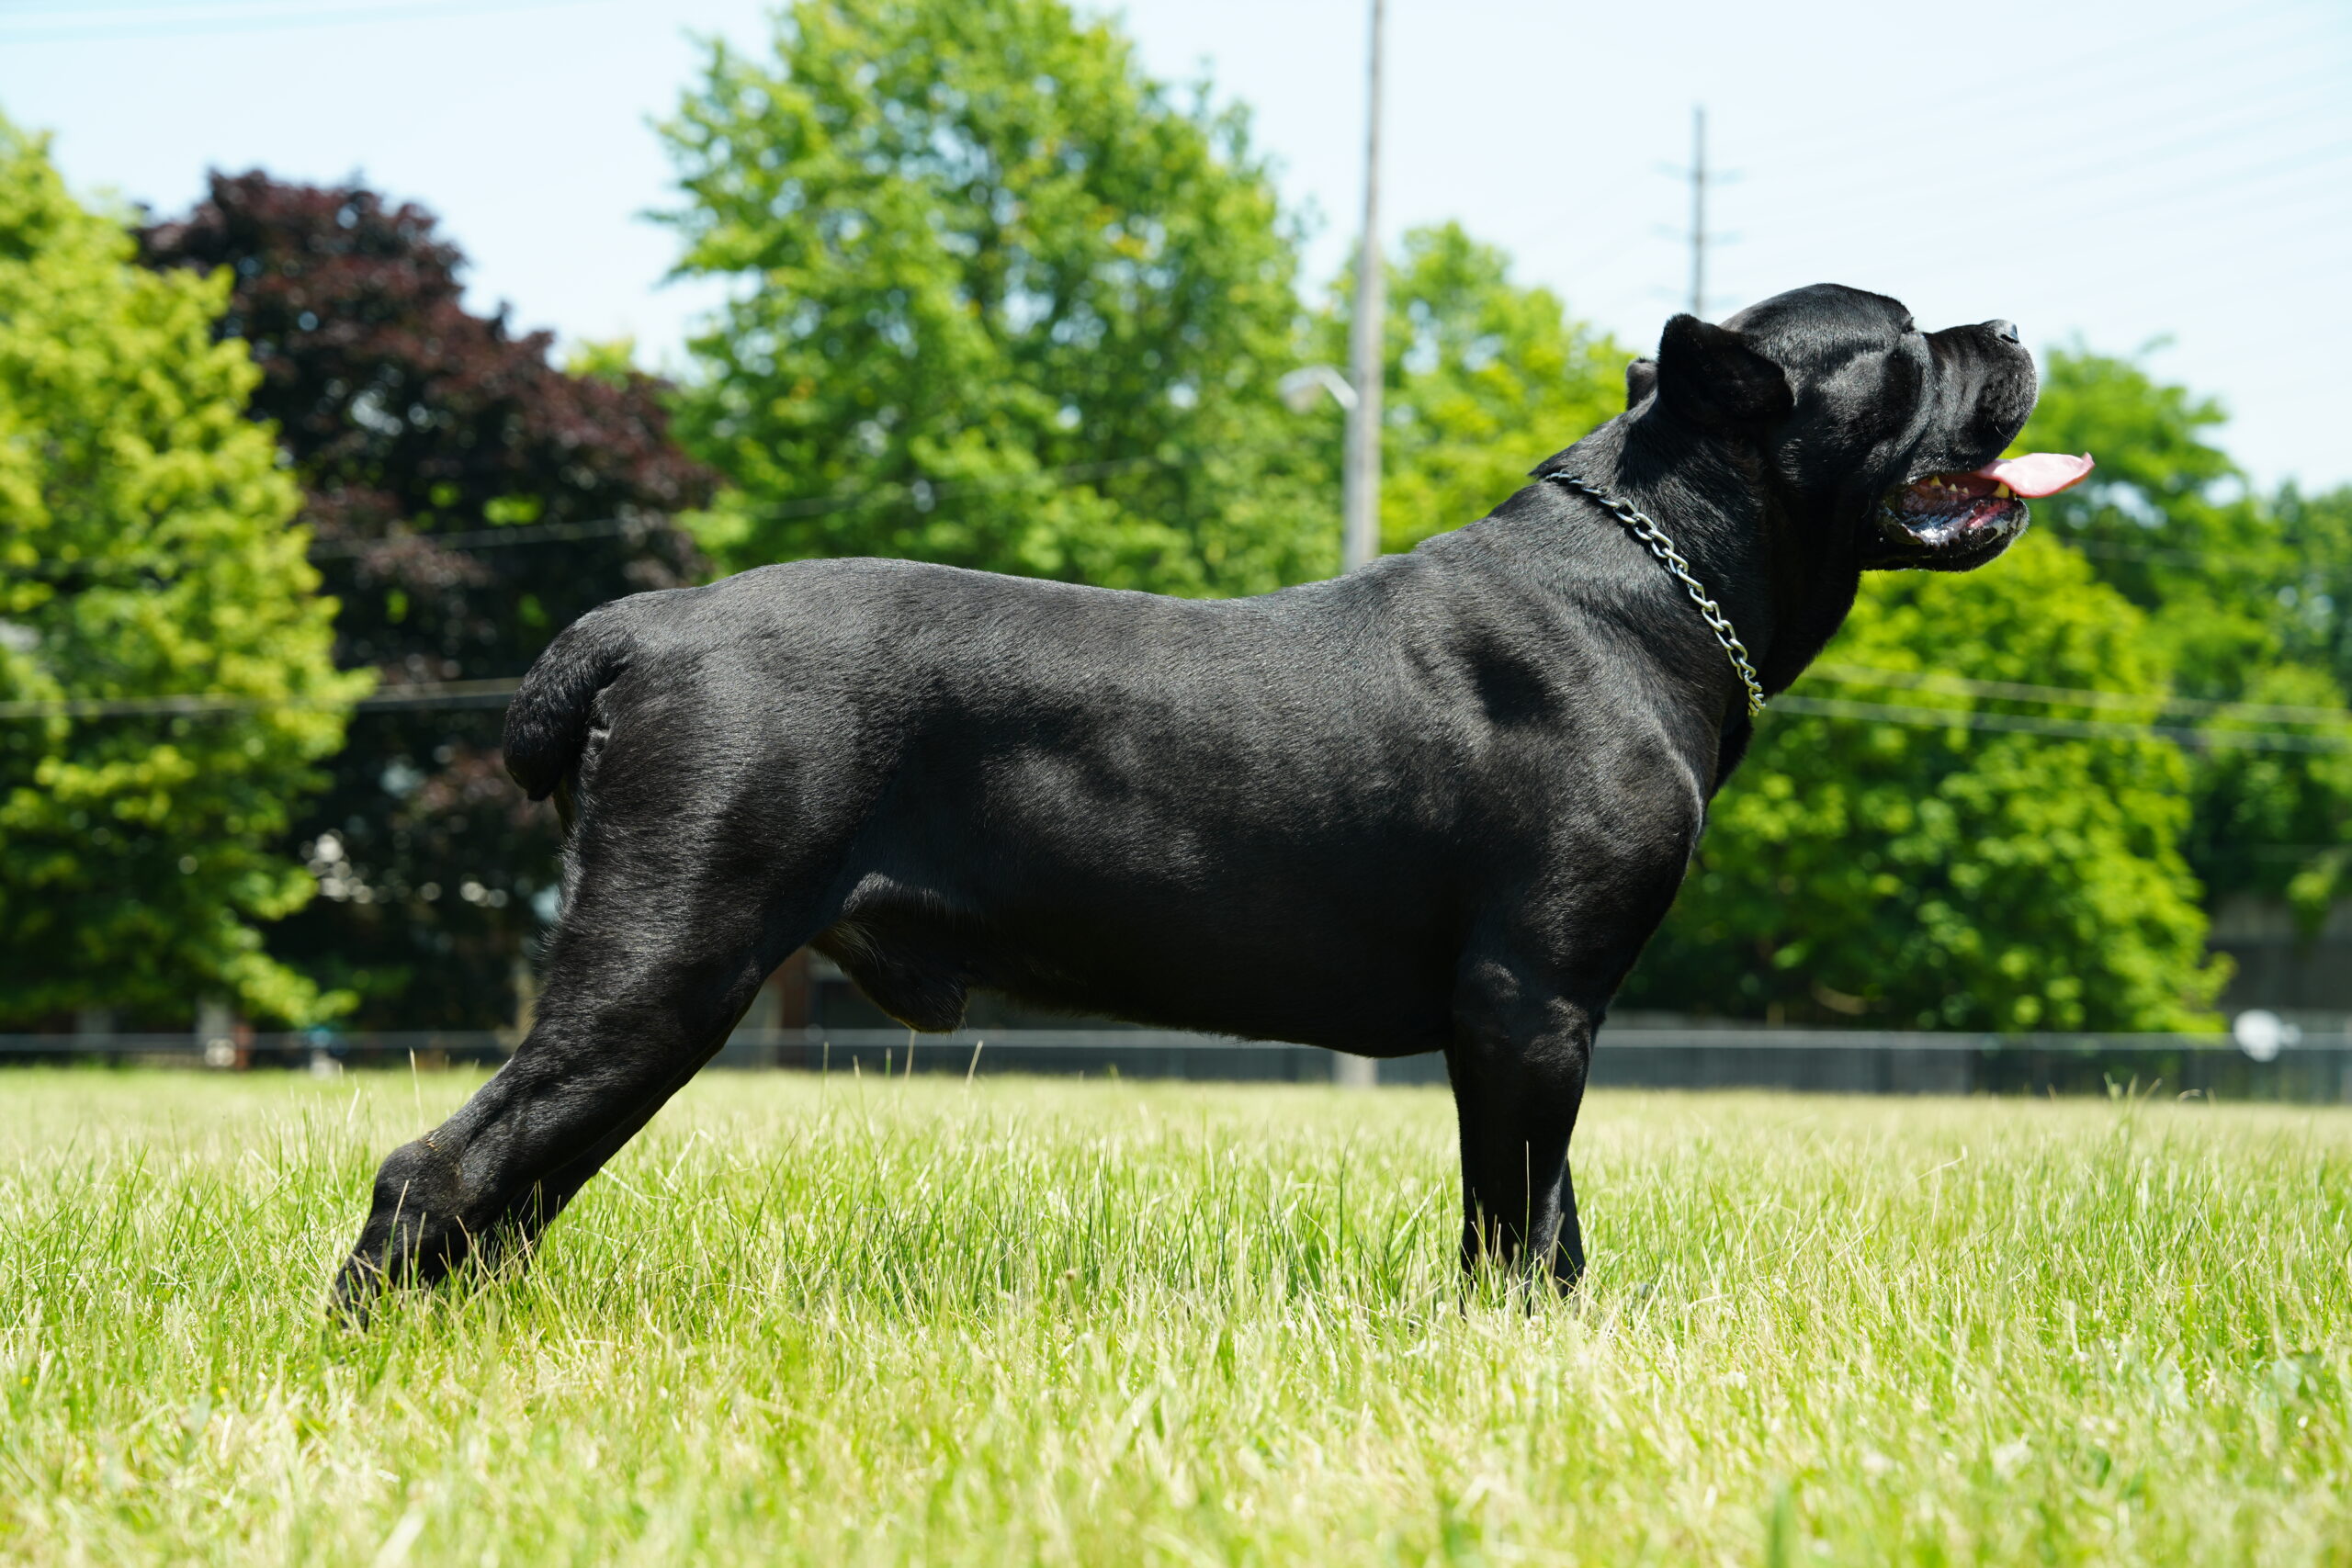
x=913, y=492
x=494, y=692
x=345, y=549
x=2068, y=728
x=2151, y=169
x=2198, y=136
x=2088, y=135
x=2291, y=272
x=923, y=489
x=2099, y=549
x=2179, y=197
x=492, y=539
x=2073, y=697
x=490, y=692
x=2079, y=77
x=2209, y=231
x=232, y=22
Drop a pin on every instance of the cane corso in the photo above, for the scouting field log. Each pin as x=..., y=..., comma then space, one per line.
x=1437, y=803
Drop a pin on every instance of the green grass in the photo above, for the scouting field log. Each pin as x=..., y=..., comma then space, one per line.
x=857, y=1322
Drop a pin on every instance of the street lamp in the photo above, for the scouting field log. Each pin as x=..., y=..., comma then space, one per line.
x=1302, y=387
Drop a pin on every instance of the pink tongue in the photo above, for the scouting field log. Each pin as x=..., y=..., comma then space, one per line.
x=2037, y=474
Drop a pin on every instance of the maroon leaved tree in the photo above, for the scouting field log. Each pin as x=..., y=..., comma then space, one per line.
x=468, y=500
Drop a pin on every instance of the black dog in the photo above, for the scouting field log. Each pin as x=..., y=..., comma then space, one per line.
x=1436, y=804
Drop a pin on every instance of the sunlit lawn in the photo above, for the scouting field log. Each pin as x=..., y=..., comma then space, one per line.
x=852, y=1321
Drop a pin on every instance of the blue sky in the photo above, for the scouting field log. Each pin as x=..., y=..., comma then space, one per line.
x=2123, y=173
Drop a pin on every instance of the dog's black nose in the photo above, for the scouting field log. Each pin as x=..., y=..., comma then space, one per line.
x=2006, y=330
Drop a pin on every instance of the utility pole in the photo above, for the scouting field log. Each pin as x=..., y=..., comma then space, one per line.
x=1360, y=506
x=1699, y=211
x=1360, y=503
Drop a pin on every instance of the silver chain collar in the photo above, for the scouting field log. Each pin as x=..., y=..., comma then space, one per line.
x=1650, y=533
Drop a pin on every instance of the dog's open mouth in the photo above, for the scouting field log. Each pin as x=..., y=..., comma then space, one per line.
x=1946, y=509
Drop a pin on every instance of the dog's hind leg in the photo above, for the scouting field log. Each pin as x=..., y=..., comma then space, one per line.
x=644, y=978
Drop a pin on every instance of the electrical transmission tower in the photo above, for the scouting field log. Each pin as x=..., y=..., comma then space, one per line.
x=1700, y=237
x=1699, y=211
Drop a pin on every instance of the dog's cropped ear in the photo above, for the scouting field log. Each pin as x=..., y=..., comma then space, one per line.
x=1708, y=375
x=1641, y=380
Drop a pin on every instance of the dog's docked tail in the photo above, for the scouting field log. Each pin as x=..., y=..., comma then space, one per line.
x=547, y=724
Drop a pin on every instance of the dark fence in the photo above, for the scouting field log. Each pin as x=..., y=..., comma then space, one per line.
x=2318, y=1068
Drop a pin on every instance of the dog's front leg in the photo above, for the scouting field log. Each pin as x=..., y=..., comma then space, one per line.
x=1517, y=1064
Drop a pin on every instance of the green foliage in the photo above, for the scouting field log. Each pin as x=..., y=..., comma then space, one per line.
x=610, y=360
x=1484, y=379
x=2317, y=622
x=2248, y=597
x=1933, y=877
x=144, y=551
x=1007, y=304
x=861, y=1324
x=408, y=418
x=2166, y=517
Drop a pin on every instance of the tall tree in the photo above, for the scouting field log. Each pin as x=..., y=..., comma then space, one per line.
x=1008, y=303
x=145, y=552
x=1938, y=875
x=2249, y=597
x=468, y=498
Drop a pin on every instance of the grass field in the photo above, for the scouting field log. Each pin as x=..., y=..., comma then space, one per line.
x=853, y=1322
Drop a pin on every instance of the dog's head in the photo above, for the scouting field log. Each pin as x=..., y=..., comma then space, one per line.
x=1873, y=435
